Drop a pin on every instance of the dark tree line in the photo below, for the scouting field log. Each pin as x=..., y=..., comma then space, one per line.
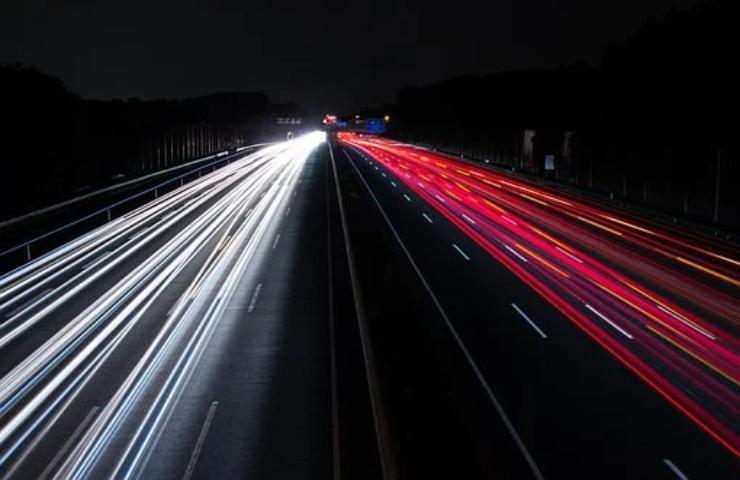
x=54, y=144
x=655, y=122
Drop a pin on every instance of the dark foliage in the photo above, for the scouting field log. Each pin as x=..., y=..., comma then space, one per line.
x=55, y=144
x=647, y=124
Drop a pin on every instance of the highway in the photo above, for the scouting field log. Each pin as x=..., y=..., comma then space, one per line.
x=362, y=307
x=605, y=344
x=179, y=340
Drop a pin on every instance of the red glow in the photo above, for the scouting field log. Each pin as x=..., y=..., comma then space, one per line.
x=670, y=299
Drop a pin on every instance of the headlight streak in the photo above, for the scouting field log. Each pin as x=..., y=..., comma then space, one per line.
x=32, y=391
x=686, y=348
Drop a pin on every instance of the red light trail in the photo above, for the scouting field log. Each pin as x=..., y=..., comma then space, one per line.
x=662, y=301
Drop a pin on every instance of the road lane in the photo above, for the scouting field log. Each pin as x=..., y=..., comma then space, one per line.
x=119, y=317
x=563, y=361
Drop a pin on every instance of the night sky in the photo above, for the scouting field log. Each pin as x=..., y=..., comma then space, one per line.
x=325, y=55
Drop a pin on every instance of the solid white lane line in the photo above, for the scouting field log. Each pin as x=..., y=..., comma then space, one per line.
x=459, y=250
x=524, y=315
x=675, y=469
x=614, y=325
x=277, y=239
x=406, y=197
x=201, y=440
x=453, y=331
x=515, y=253
x=427, y=217
x=256, y=294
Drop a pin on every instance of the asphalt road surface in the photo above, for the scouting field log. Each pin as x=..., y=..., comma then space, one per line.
x=420, y=317
x=606, y=345
x=187, y=338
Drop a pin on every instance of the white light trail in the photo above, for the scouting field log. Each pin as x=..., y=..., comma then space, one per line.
x=228, y=211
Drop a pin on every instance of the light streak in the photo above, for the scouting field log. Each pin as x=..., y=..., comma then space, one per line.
x=226, y=214
x=678, y=338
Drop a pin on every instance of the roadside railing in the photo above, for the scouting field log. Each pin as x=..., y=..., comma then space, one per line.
x=24, y=249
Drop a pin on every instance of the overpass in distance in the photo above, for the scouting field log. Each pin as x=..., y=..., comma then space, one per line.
x=356, y=307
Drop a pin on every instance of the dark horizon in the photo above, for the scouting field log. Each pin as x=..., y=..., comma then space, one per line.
x=340, y=58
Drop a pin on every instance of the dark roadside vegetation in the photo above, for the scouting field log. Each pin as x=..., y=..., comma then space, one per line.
x=654, y=123
x=57, y=145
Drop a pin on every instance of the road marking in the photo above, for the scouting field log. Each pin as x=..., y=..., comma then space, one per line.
x=440, y=199
x=570, y=255
x=686, y=321
x=380, y=419
x=524, y=315
x=427, y=217
x=616, y=327
x=508, y=219
x=459, y=250
x=474, y=366
x=515, y=253
x=468, y=219
x=287, y=211
x=675, y=469
x=277, y=239
x=201, y=440
x=394, y=184
x=254, y=298
x=71, y=440
x=383, y=173
x=406, y=197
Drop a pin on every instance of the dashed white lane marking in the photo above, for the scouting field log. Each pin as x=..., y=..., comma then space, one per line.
x=256, y=294
x=529, y=320
x=675, y=469
x=459, y=250
x=515, y=253
x=614, y=325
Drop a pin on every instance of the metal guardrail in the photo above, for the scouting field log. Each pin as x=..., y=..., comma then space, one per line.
x=715, y=232
x=223, y=157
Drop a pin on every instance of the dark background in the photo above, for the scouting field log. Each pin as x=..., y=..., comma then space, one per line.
x=324, y=55
x=637, y=101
